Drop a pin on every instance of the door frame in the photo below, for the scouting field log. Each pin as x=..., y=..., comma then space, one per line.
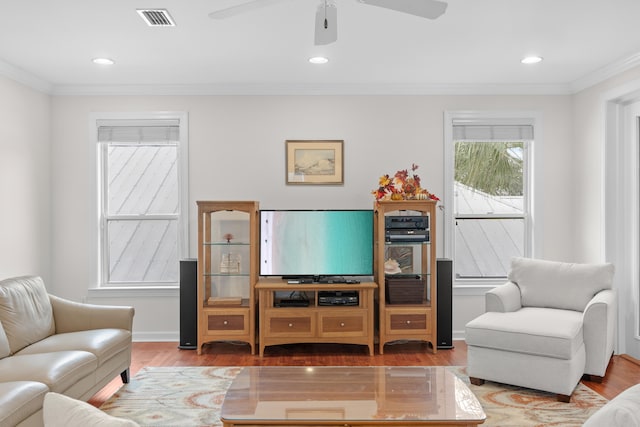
x=621, y=198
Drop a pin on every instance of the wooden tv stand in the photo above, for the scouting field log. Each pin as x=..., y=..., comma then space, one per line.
x=314, y=323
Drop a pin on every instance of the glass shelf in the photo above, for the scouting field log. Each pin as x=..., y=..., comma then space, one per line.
x=226, y=274
x=226, y=244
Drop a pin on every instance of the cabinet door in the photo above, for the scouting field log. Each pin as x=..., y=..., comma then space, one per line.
x=227, y=260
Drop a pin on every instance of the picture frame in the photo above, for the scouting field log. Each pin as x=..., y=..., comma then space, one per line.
x=315, y=162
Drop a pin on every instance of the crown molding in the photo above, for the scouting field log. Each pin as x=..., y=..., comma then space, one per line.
x=310, y=89
x=605, y=73
x=21, y=76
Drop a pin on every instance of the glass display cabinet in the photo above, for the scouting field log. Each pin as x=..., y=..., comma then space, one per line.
x=227, y=271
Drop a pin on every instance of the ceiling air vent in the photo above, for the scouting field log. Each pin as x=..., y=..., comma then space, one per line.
x=156, y=17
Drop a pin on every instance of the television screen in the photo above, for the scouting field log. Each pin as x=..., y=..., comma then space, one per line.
x=297, y=243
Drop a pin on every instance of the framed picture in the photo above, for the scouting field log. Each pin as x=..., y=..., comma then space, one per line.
x=314, y=162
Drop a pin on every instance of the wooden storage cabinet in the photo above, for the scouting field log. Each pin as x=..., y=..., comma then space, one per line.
x=315, y=323
x=407, y=287
x=227, y=271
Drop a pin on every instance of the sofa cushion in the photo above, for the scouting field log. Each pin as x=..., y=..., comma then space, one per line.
x=63, y=411
x=561, y=285
x=5, y=350
x=19, y=400
x=58, y=370
x=537, y=331
x=103, y=343
x=25, y=311
x=622, y=411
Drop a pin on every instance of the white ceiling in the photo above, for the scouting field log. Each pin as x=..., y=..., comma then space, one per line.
x=475, y=47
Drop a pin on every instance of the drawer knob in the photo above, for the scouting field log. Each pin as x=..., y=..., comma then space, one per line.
x=291, y=325
x=342, y=324
x=226, y=322
x=408, y=322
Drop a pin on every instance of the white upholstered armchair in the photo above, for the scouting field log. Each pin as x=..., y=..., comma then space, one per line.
x=549, y=325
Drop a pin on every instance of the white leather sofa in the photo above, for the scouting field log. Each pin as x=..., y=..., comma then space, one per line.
x=52, y=344
x=547, y=327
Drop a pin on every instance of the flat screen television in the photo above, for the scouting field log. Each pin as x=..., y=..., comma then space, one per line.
x=316, y=243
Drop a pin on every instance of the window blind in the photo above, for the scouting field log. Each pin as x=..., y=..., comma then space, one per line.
x=137, y=131
x=500, y=132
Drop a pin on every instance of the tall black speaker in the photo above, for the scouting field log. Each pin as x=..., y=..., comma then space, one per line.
x=188, y=304
x=445, y=302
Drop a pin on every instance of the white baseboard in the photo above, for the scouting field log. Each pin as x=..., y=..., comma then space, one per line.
x=167, y=336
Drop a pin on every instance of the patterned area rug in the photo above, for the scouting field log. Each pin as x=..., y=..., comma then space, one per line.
x=192, y=396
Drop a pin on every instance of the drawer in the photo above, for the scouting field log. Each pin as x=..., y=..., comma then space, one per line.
x=222, y=322
x=342, y=325
x=289, y=326
x=409, y=322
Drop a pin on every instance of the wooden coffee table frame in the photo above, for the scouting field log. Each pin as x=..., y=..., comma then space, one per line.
x=365, y=396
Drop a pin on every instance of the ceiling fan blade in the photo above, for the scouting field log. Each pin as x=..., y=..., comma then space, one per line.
x=326, y=24
x=430, y=9
x=242, y=7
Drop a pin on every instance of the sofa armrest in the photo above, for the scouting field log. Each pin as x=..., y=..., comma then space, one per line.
x=599, y=326
x=70, y=316
x=503, y=298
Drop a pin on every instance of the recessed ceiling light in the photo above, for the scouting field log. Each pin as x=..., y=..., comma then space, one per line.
x=103, y=61
x=318, y=60
x=531, y=59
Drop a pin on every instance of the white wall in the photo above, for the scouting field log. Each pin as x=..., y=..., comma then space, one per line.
x=591, y=229
x=237, y=151
x=25, y=245
x=589, y=132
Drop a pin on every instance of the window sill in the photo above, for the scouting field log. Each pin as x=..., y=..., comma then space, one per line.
x=475, y=288
x=129, y=292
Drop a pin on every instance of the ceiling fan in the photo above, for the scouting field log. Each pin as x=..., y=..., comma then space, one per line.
x=326, y=30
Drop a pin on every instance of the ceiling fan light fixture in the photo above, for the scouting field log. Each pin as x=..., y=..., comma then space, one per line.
x=532, y=59
x=103, y=61
x=319, y=60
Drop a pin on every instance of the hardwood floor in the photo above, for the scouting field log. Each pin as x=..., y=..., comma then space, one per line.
x=622, y=373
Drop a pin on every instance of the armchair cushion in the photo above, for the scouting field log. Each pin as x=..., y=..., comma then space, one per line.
x=536, y=331
x=25, y=311
x=59, y=370
x=103, y=343
x=560, y=285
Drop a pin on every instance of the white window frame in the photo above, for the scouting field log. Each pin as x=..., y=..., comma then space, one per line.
x=101, y=259
x=531, y=181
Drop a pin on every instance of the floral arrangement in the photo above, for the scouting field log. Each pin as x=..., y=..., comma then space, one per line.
x=402, y=186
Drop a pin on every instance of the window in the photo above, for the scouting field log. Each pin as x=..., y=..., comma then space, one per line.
x=142, y=209
x=489, y=220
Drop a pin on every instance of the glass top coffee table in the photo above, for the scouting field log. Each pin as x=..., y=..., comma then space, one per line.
x=349, y=396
